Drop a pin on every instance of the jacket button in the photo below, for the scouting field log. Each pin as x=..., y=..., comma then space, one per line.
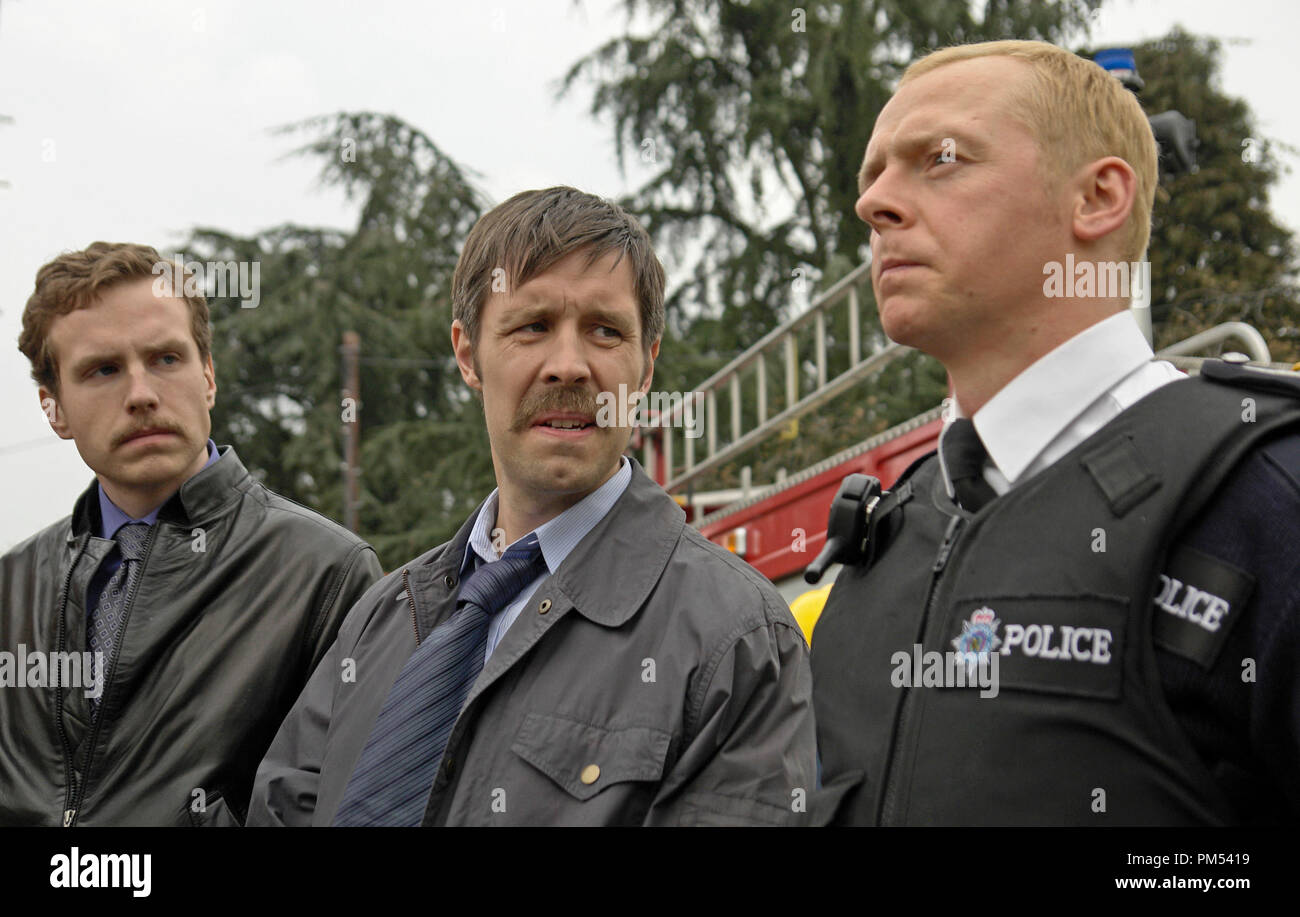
x=450, y=580
x=590, y=774
x=544, y=607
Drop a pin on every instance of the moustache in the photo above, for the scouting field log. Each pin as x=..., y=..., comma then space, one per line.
x=157, y=427
x=569, y=399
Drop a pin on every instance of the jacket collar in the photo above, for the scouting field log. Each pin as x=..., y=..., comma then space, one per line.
x=199, y=498
x=612, y=571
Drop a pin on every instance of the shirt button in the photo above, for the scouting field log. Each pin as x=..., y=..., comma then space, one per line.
x=544, y=607
x=590, y=774
x=450, y=580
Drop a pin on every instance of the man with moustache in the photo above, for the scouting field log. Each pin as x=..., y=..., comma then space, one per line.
x=206, y=598
x=1124, y=538
x=576, y=654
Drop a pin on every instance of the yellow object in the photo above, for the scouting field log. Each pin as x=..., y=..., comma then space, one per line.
x=807, y=608
x=590, y=774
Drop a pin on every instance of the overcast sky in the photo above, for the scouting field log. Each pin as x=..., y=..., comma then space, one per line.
x=133, y=121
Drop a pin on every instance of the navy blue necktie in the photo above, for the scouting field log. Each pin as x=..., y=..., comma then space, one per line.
x=393, y=777
x=106, y=612
x=964, y=456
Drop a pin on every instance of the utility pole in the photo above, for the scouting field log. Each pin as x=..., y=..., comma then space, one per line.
x=351, y=351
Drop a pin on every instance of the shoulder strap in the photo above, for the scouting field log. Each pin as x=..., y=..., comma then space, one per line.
x=1268, y=404
x=1239, y=375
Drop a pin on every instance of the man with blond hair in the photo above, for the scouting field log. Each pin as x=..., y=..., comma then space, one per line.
x=1113, y=542
x=151, y=642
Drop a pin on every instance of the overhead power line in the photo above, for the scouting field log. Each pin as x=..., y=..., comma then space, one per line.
x=27, y=444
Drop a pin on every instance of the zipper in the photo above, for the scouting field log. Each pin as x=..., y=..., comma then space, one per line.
x=945, y=550
x=406, y=581
x=69, y=813
x=889, y=801
x=72, y=813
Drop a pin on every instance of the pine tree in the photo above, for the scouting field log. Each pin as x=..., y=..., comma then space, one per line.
x=1217, y=254
x=424, y=450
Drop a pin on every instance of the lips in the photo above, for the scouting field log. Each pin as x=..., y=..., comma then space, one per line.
x=146, y=433
x=893, y=263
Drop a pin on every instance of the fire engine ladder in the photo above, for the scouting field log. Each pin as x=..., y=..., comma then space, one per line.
x=812, y=373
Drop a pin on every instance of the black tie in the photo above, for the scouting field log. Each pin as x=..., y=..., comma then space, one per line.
x=964, y=455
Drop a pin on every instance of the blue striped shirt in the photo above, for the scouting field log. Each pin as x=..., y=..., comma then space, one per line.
x=557, y=537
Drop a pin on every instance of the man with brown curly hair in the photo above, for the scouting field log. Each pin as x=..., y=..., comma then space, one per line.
x=151, y=642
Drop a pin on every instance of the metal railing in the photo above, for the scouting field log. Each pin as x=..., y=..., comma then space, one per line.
x=1246, y=334
x=759, y=494
x=782, y=345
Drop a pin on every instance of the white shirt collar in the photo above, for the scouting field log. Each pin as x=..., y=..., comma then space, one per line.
x=1035, y=407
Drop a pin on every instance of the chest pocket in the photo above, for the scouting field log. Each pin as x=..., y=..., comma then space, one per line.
x=584, y=759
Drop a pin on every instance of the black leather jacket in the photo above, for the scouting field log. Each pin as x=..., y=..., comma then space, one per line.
x=241, y=594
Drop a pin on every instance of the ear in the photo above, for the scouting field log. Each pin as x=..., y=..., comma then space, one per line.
x=465, y=356
x=210, y=375
x=54, y=413
x=650, y=367
x=1105, y=194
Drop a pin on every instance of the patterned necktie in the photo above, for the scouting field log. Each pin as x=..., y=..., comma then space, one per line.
x=106, y=614
x=393, y=777
x=964, y=456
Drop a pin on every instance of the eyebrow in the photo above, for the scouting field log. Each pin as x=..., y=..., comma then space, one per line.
x=526, y=315
x=616, y=319
x=85, y=364
x=912, y=144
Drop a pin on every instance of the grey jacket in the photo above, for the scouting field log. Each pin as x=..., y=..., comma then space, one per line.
x=240, y=595
x=652, y=653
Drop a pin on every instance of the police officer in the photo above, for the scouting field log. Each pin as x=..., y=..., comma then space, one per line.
x=1114, y=543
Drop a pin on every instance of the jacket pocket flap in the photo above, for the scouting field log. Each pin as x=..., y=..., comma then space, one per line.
x=584, y=758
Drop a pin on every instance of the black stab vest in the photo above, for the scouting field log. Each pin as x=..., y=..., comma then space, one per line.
x=1079, y=732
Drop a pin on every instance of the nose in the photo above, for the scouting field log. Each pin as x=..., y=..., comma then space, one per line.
x=141, y=393
x=881, y=206
x=566, y=356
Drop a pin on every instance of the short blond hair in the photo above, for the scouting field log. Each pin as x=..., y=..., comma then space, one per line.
x=1078, y=113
